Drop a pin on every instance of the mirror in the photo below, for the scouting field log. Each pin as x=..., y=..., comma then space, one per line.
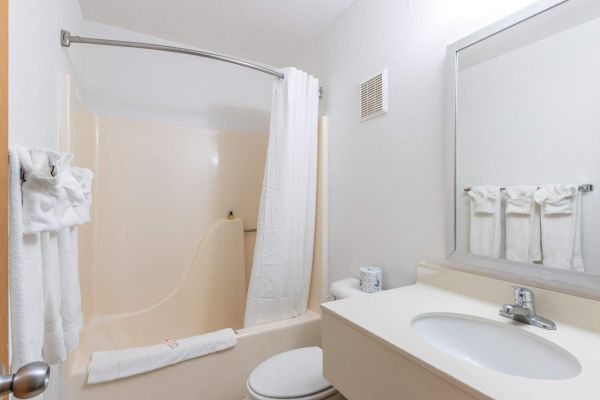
x=526, y=148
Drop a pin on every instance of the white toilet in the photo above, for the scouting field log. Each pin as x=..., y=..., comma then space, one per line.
x=298, y=374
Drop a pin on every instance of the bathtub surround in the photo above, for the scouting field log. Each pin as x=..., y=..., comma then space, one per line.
x=166, y=286
x=48, y=203
x=116, y=364
x=283, y=254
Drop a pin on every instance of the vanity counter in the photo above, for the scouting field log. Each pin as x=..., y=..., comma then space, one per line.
x=383, y=321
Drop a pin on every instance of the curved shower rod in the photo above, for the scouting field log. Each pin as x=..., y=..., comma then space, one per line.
x=66, y=39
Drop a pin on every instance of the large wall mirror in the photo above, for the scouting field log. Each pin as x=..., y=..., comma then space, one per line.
x=524, y=148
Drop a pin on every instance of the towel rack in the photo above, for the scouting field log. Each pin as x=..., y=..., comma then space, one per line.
x=584, y=188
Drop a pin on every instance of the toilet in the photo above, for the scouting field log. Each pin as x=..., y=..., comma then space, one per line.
x=298, y=374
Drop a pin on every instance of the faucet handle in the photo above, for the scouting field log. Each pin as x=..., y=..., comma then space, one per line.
x=523, y=295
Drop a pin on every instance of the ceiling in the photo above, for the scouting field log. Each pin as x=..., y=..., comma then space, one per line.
x=261, y=30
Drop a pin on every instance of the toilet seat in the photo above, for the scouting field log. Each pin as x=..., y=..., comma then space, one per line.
x=295, y=374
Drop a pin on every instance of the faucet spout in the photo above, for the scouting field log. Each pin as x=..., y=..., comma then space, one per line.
x=524, y=310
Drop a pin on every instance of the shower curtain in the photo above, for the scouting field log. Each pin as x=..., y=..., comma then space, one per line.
x=283, y=254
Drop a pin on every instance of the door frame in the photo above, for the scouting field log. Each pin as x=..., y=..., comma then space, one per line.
x=4, y=335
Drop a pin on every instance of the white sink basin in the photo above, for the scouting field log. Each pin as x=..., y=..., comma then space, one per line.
x=497, y=346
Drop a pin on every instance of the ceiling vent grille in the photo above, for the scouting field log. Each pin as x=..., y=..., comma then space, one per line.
x=373, y=96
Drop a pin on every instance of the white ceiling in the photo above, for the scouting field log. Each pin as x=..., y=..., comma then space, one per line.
x=260, y=30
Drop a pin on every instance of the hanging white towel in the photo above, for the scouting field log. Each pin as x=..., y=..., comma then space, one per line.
x=485, y=230
x=110, y=365
x=54, y=201
x=26, y=288
x=70, y=306
x=44, y=203
x=561, y=225
x=77, y=183
x=54, y=339
x=523, y=242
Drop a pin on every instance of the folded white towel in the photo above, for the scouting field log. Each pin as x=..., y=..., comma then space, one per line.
x=561, y=225
x=44, y=199
x=110, y=365
x=486, y=229
x=523, y=241
x=26, y=288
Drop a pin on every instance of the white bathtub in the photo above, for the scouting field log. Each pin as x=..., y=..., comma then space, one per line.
x=219, y=376
x=197, y=305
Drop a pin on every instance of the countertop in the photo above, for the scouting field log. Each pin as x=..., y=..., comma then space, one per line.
x=386, y=316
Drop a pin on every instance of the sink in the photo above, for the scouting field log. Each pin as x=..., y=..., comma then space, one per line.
x=497, y=346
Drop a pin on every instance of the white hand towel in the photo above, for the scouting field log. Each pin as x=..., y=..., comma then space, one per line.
x=523, y=242
x=26, y=288
x=485, y=231
x=561, y=225
x=54, y=339
x=70, y=305
x=110, y=365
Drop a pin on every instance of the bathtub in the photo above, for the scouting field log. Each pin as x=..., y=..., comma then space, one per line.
x=219, y=376
x=210, y=296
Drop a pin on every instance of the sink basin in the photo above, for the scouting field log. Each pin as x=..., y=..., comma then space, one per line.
x=494, y=345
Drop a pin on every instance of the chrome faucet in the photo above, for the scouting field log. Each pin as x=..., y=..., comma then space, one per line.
x=524, y=310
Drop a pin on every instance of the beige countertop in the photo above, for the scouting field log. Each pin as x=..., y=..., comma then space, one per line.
x=387, y=316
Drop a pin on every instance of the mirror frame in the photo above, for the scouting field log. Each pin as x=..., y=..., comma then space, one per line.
x=570, y=282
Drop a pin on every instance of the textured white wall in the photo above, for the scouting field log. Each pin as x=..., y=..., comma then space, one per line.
x=386, y=186
x=37, y=64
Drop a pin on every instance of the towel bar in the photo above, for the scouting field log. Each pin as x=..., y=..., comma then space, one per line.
x=584, y=188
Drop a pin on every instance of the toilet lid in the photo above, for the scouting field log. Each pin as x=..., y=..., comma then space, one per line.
x=294, y=373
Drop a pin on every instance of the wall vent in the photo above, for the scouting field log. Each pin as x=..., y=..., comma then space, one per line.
x=373, y=96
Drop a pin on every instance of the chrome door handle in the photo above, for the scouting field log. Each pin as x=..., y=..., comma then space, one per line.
x=29, y=380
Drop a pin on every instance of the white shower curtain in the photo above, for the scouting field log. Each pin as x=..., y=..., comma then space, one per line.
x=280, y=278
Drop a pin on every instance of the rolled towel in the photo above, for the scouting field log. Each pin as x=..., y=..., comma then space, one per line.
x=116, y=364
